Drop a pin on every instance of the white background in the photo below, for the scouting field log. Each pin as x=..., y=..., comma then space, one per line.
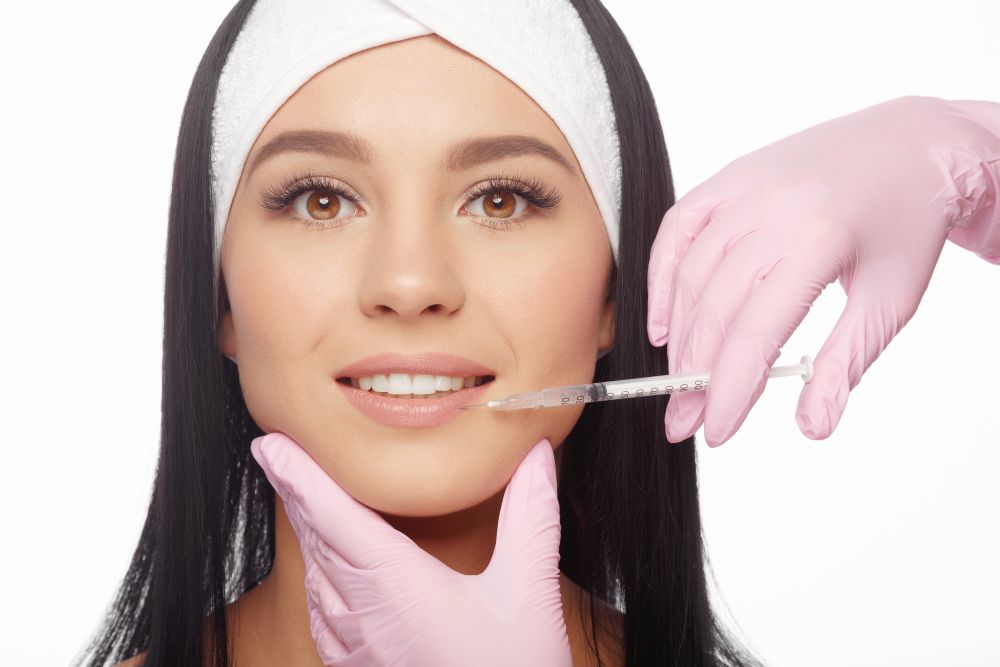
x=877, y=546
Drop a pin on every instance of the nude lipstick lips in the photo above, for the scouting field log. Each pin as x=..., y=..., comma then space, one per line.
x=412, y=412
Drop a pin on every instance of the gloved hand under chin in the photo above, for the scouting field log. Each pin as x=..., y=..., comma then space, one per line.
x=376, y=598
x=869, y=198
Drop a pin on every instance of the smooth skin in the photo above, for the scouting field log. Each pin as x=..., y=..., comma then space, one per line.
x=410, y=265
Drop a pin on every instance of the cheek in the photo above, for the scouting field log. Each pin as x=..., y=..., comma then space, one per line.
x=555, y=322
x=280, y=308
x=551, y=317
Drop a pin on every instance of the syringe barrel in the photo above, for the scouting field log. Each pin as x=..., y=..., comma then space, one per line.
x=661, y=385
x=574, y=394
x=619, y=389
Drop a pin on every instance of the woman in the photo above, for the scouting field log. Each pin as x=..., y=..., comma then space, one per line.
x=213, y=542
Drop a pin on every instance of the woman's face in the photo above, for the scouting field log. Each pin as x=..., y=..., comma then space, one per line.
x=409, y=263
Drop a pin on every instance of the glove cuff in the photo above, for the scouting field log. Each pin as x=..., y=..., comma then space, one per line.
x=974, y=208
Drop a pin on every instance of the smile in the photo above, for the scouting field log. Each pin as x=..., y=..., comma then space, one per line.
x=412, y=412
x=413, y=391
x=406, y=385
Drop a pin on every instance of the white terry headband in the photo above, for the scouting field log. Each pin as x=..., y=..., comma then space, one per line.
x=540, y=45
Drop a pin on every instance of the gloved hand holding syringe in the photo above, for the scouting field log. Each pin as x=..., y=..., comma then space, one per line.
x=659, y=385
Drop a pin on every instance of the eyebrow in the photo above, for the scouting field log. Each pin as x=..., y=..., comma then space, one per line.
x=463, y=155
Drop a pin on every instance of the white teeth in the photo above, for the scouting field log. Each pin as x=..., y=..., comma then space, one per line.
x=399, y=383
x=405, y=384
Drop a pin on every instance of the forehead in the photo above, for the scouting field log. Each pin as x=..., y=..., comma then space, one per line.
x=422, y=91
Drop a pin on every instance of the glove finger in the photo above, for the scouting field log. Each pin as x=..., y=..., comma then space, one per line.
x=774, y=310
x=867, y=325
x=696, y=270
x=321, y=597
x=343, y=524
x=719, y=272
x=680, y=226
x=320, y=591
x=528, y=531
x=325, y=606
x=684, y=407
x=359, y=634
x=682, y=305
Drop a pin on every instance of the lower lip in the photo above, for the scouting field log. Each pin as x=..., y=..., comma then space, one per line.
x=411, y=412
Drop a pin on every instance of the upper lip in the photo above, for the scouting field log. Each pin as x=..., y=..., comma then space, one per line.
x=426, y=363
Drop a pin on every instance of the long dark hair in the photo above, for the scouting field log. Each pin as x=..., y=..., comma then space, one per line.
x=632, y=531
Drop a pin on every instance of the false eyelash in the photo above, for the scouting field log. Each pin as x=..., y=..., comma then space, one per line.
x=531, y=189
x=277, y=198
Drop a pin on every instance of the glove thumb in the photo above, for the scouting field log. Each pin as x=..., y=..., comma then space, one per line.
x=529, y=531
x=354, y=531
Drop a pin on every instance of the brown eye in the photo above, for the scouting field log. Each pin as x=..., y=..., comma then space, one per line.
x=322, y=204
x=500, y=203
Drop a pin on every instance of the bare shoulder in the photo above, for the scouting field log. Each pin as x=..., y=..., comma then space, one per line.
x=135, y=661
x=610, y=628
x=612, y=639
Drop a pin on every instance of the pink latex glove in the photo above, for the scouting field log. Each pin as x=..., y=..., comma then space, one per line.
x=376, y=598
x=869, y=198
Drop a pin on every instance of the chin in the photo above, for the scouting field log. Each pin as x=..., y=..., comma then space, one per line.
x=425, y=493
x=438, y=476
x=426, y=508
x=427, y=472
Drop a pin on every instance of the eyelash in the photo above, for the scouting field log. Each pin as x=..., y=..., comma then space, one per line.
x=531, y=189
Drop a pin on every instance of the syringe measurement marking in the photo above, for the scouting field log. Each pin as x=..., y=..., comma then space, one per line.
x=668, y=389
x=578, y=397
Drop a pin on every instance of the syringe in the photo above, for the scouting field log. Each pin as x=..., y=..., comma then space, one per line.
x=659, y=385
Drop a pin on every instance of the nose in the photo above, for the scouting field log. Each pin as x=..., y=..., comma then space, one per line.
x=411, y=270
